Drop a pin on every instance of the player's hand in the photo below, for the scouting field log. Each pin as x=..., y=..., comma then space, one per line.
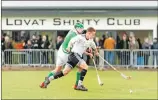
x=97, y=54
x=90, y=50
x=99, y=47
x=91, y=55
x=68, y=49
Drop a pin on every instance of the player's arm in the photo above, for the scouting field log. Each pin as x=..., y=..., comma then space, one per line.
x=72, y=42
x=89, y=52
x=94, y=47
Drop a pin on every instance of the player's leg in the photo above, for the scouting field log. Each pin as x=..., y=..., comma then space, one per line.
x=84, y=68
x=74, y=62
x=71, y=63
x=59, y=64
x=61, y=60
x=51, y=74
x=57, y=75
x=58, y=68
x=60, y=74
x=78, y=74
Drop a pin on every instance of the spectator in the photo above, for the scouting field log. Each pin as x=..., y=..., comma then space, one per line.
x=29, y=46
x=23, y=53
x=35, y=56
x=146, y=46
x=39, y=41
x=101, y=42
x=109, y=44
x=125, y=55
x=38, y=44
x=133, y=44
x=118, y=42
x=155, y=53
x=140, y=59
x=97, y=42
x=45, y=45
x=45, y=42
x=51, y=46
x=3, y=47
x=8, y=54
x=2, y=42
x=60, y=40
x=25, y=42
x=139, y=43
x=98, y=47
x=34, y=42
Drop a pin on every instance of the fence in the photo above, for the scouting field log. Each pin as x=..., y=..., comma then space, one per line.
x=130, y=58
x=26, y=57
x=47, y=57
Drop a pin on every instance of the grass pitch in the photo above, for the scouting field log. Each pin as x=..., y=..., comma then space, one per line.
x=25, y=85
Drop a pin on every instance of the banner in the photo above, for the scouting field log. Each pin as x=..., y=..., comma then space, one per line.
x=66, y=23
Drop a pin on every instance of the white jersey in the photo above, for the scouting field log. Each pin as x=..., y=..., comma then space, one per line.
x=79, y=44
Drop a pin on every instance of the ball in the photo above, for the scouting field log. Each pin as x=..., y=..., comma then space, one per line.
x=130, y=91
x=101, y=84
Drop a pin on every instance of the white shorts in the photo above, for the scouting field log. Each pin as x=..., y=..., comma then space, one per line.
x=62, y=57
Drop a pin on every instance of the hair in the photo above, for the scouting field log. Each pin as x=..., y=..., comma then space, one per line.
x=47, y=38
x=60, y=36
x=109, y=35
x=4, y=34
x=40, y=37
x=91, y=29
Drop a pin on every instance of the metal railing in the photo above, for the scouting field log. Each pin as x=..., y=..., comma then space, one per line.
x=29, y=57
x=130, y=58
x=47, y=57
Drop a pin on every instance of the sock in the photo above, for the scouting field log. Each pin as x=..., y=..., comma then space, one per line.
x=77, y=78
x=51, y=74
x=79, y=83
x=83, y=73
x=58, y=75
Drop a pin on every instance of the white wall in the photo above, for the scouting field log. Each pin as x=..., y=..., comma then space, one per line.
x=100, y=23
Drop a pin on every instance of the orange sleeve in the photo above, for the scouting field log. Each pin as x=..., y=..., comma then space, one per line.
x=105, y=44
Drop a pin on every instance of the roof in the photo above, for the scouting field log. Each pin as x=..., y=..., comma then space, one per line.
x=79, y=5
x=78, y=13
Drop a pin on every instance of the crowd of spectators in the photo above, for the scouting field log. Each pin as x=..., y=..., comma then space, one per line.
x=108, y=42
x=35, y=42
x=127, y=42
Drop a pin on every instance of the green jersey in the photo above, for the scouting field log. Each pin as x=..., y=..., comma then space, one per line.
x=67, y=39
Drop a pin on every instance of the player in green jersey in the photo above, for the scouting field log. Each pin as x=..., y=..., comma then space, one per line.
x=62, y=56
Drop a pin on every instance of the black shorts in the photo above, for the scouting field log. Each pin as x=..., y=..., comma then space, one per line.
x=74, y=59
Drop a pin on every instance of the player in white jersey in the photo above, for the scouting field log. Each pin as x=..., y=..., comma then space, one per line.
x=78, y=45
x=62, y=55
